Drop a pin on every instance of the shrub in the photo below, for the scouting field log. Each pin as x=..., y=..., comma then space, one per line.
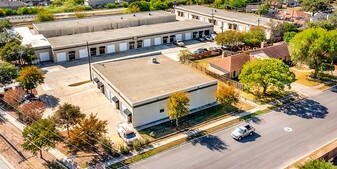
x=124, y=149
x=87, y=8
x=110, y=5
x=2, y=12
x=45, y=16
x=125, y=4
x=107, y=147
x=9, y=12
x=136, y=145
x=145, y=141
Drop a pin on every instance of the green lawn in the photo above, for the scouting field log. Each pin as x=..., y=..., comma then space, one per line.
x=204, y=62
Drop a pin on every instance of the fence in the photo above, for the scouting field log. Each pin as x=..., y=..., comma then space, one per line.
x=223, y=78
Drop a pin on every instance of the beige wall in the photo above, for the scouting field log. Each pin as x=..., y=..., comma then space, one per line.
x=116, y=43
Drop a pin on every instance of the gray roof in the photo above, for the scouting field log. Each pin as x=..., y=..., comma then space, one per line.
x=69, y=41
x=139, y=80
x=85, y=22
x=227, y=15
x=8, y=4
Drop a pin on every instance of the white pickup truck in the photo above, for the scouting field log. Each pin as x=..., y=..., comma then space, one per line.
x=242, y=132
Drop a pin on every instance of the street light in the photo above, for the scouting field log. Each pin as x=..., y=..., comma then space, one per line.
x=89, y=60
x=213, y=11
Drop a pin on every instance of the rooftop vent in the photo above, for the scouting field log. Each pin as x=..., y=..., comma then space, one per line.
x=122, y=17
x=134, y=15
x=150, y=14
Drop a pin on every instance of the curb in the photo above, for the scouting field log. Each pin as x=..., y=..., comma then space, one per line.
x=6, y=162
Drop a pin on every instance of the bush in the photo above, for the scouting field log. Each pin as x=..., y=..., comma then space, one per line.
x=125, y=4
x=2, y=12
x=9, y=12
x=87, y=8
x=124, y=149
x=107, y=147
x=110, y=5
x=145, y=142
x=45, y=16
x=136, y=145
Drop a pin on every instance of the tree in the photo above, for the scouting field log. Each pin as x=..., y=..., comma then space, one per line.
x=30, y=77
x=263, y=9
x=138, y=6
x=88, y=132
x=255, y=36
x=266, y=74
x=318, y=164
x=184, y=54
x=67, y=115
x=314, y=47
x=14, y=96
x=229, y=37
x=315, y=5
x=237, y=3
x=28, y=54
x=5, y=24
x=32, y=111
x=39, y=135
x=288, y=36
x=226, y=95
x=132, y=9
x=329, y=24
x=10, y=52
x=217, y=3
x=158, y=5
x=8, y=73
x=177, y=105
x=45, y=16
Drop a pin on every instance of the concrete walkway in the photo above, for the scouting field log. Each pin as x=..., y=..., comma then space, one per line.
x=19, y=125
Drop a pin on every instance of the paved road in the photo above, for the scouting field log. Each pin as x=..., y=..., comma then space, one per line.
x=313, y=124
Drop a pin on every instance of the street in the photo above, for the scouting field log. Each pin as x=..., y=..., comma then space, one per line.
x=282, y=137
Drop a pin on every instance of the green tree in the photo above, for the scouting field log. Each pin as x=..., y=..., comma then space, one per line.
x=5, y=24
x=318, y=164
x=132, y=9
x=142, y=5
x=255, y=36
x=110, y=5
x=178, y=105
x=45, y=16
x=263, y=9
x=217, y=3
x=237, y=3
x=30, y=77
x=229, y=37
x=87, y=133
x=2, y=12
x=184, y=54
x=315, y=5
x=288, y=36
x=314, y=47
x=67, y=115
x=8, y=73
x=10, y=52
x=28, y=54
x=329, y=24
x=266, y=74
x=226, y=95
x=39, y=135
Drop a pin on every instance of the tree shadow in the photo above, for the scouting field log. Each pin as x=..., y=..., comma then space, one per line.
x=213, y=143
x=255, y=120
x=251, y=138
x=50, y=101
x=333, y=89
x=305, y=108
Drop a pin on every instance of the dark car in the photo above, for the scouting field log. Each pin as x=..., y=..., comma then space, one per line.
x=207, y=38
x=201, y=39
x=28, y=96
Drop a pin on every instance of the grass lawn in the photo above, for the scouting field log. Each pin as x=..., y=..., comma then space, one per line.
x=302, y=78
x=204, y=62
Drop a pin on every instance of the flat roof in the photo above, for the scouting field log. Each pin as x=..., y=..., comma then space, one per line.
x=68, y=41
x=138, y=79
x=73, y=23
x=37, y=41
x=227, y=15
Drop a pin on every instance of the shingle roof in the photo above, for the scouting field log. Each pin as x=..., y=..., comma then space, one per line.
x=231, y=63
x=278, y=51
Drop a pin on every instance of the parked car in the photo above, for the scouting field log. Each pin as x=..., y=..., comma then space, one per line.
x=126, y=133
x=207, y=38
x=242, y=132
x=213, y=36
x=201, y=39
x=179, y=43
x=202, y=50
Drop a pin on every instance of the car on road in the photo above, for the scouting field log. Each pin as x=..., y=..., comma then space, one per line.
x=208, y=38
x=126, y=133
x=242, y=131
x=201, y=39
x=179, y=43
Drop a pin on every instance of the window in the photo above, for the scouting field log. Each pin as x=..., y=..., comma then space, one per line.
x=172, y=38
x=131, y=45
x=165, y=39
x=102, y=50
x=206, y=32
x=195, y=35
x=71, y=55
x=161, y=111
x=195, y=17
x=139, y=44
x=92, y=51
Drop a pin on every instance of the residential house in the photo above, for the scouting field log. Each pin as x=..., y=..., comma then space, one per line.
x=12, y=4
x=296, y=16
x=278, y=51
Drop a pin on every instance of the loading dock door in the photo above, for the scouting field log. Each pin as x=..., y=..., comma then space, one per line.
x=147, y=42
x=44, y=56
x=157, y=41
x=61, y=57
x=107, y=93
x=83, y=53
x=123, y=46
x=188, y=36
x=111, y=48
x=179, y=37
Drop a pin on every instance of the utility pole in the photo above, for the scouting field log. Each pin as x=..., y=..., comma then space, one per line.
x=213, y=11
x=89, y=60
x=258, y=21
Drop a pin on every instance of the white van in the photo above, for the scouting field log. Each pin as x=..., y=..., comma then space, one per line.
x=126, y=133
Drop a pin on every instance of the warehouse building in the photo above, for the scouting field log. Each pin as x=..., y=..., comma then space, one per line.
x=140, y=87
x=66, y=48
x=223, y=19
x=101, y=23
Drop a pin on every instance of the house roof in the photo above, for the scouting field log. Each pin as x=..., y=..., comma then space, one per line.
x=277, y=51
x=8, y=4
x=231, y=63
x=291, y=13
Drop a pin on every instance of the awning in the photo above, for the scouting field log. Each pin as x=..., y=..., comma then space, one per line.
x=100, y=84
x=114, y=99
x=96, y=80
x=127, y=112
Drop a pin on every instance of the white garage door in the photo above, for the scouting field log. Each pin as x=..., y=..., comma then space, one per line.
x=61, y=57
x=123, y=46
x=44, y=56
x=107, y=93
x=188, y=36
x=111, y=48
x=83, y=53
x=179, y=37
x=157, y=41
x=147, y=42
